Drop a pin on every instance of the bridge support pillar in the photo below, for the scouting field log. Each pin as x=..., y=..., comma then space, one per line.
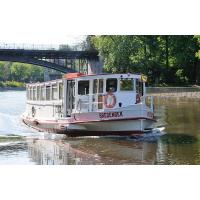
x=46, y=75
x=95, y=66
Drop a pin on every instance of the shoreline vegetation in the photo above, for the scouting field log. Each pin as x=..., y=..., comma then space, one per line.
x=165, y=60
x=12, y=85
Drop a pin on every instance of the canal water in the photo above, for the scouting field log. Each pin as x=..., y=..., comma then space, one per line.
x=179, y=143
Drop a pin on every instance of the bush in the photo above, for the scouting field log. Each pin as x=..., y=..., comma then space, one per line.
x=12, y=84
x=181, y=78
x=1, y=84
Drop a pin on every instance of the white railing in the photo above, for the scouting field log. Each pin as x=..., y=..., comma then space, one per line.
x=28, y=46
x=149, y=101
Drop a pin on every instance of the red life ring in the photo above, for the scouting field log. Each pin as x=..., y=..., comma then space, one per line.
x=109, y=100
x=137, y=99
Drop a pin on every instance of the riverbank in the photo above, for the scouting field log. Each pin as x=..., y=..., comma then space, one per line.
x=12, y=88
x=11, y=85
x=175, y=93
x=173, y=89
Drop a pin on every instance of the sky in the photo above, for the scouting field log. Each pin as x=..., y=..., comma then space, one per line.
x=67, y=22
x=39, y=22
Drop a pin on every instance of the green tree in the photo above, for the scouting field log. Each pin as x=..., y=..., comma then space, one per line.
x=165, y=59
x=20, y=72
x=5, y=71
x=183, y=51
x=198, y=41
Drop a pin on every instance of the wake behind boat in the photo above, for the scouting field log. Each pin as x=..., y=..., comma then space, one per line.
x=90, y=105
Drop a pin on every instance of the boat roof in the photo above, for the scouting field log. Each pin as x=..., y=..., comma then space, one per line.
x=80, y=76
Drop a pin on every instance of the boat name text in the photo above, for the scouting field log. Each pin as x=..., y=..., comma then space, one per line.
x=110, y=114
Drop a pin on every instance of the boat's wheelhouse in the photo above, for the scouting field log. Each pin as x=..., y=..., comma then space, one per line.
x=103, y=92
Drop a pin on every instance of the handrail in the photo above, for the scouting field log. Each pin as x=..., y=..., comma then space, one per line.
x=28, y=46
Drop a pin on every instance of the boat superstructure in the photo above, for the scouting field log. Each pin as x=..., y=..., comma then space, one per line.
x=78, y=104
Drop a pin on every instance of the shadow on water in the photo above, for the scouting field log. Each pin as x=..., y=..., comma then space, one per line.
x=178, y=139
x=13, y=150
x=12, y=147
x=11, y=142
x=178, y=149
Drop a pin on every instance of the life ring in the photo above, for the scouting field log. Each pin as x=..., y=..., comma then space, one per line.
x=33, y=111
x=109, y=100
x=137, y=99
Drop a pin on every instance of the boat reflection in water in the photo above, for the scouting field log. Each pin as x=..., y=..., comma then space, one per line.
x=91, y=151
x=49, y=152
x=166, y=149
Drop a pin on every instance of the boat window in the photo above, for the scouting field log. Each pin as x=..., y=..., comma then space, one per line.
x=38, y=92
x=100, y=86
x=95, y=84
x=42, y=93
x=27, y=93
x=30, y=93
x=48, y=92
x=54, y=92
x=34, y=93
x=111, y=85
x=139, y=87
x=126, y=84
x=83, y=87
x=60, y=90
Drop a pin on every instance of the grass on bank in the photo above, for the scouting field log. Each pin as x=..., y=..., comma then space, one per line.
x=11, y=84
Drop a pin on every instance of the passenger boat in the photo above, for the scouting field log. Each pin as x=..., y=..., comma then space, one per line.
x=90, y=105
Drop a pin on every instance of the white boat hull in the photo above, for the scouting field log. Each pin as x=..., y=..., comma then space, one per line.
x=108, y=127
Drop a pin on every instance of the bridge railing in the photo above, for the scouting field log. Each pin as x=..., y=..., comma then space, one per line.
x=28, y=46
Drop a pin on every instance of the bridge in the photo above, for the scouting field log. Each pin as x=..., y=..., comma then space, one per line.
x=62, y=60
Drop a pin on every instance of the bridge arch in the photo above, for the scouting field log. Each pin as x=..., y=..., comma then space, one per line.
x=42, y=63
x=43, y=57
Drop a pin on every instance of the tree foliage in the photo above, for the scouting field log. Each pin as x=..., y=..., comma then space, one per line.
x=165, y=59
x=20, y=72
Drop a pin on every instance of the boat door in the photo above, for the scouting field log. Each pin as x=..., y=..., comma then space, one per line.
x=97, y=100
x=83, y=98
x=70, y=97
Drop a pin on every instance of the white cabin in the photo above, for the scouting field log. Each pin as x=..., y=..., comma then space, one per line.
x=78, y=93
x=82, y=104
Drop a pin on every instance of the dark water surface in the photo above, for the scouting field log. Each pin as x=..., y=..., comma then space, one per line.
x=179, y=144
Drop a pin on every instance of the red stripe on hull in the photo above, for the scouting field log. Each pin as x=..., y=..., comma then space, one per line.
x=70, y=133
x=82, y=122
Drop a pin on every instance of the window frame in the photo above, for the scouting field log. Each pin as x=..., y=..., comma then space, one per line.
x=124, y=79
x=54, y=86
x=87, y=93
x=116, y=88
x=48, y=95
